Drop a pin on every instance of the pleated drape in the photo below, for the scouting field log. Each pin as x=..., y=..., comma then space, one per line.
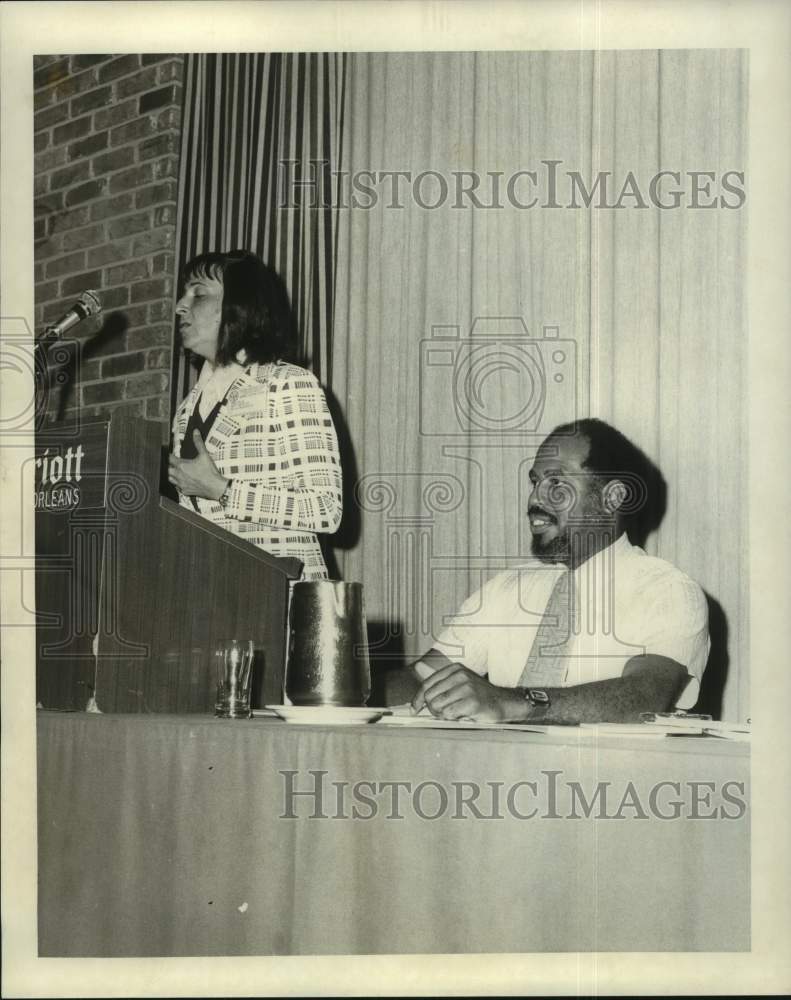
x=635, y=316
x=260, y=138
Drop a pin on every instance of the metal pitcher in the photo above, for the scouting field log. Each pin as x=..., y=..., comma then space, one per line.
x=328, y=645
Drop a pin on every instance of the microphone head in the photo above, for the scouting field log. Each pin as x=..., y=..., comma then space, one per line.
x=89, y=300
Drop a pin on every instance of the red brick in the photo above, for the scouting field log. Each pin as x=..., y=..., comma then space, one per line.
x=39, y=229
x=163, y=263
x=89, y=371
x=111, y=207
x=130, y=224
x=155, y=57
x=158, y=358
x=84, y=61
x=41, y=141
x=103, y=392
x=136, y=129
x=157, y=99
x=76, y=84
x=49, y=159
x=145, y=385
x=123, y=364
x=44, y=59
x=74, y=129
x=108, y=253
x=81, y=238
x=114, y=298
x=115, y=114
x=160, y=312
x=50, y=116
x=154, y=288
x=159, y=145
x=69, y=220
x=136, y=315
x=114, y=341
x=168, y=166
x=49, y=249
x=86, y=192
x=156, y=193
x=171, y=71
x=165, y=215
x=40, y=185
x=121, y=66
x=144, y=80
x=152, y=336
x=157, y=408
x=50, y=312
x=127, y=410
x=46, y=291
x=43, y=98
x=154, y=239
x=50, y=203
x=87, y=147
x=51, y=73
x=79, y=282
x=68, y=176
x=135, y=177
x=115, y=160
x=93, y=99
x=131, y=270
x=169, y=118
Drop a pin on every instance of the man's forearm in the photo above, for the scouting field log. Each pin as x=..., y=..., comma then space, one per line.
x=621, y=699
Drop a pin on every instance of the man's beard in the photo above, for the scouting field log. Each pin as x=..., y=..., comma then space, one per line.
x=554, y=550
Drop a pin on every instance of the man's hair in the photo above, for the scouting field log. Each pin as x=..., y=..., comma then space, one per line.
x=256, y=312
x=611, y=455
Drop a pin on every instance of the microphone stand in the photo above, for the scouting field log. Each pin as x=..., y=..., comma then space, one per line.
x=41, y=386
x=87, y=305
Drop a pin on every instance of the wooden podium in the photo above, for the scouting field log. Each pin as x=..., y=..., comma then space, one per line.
x=132, y=590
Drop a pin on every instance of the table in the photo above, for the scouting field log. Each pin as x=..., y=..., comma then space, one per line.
x=176, y=836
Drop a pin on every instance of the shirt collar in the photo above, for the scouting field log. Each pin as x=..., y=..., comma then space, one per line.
x=214, y=382
x=614, y=550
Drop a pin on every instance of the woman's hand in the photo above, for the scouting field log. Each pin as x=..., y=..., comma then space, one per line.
x=197, y=477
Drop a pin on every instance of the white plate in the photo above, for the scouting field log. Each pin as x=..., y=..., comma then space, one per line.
x=326, y=715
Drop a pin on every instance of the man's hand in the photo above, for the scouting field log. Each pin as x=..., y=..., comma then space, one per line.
x=455, y=692
x=197, y=477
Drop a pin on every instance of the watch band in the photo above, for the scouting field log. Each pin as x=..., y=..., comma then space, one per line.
x=225, y=496
x=539, y=702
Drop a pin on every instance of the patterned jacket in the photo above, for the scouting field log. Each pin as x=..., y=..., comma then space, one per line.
x=274, y=438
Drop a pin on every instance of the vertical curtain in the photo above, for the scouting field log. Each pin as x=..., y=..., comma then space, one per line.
x=260, y=139
x=465, y=330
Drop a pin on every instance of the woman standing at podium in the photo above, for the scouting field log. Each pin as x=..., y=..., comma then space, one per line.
x=254, y=447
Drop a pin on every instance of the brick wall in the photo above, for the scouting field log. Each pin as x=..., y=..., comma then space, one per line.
x=107, y=134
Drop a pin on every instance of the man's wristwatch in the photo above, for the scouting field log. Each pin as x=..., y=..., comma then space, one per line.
x=539, y=702
x=226, y=494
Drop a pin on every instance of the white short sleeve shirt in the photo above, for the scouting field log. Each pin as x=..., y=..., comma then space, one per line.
x=629, y=604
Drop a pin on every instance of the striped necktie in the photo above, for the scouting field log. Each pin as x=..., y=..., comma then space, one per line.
x=547, y=663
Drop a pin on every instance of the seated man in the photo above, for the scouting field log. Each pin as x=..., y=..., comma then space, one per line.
x=592, y=629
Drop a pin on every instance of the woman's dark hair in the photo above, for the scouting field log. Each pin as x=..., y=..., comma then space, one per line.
x=256, y=312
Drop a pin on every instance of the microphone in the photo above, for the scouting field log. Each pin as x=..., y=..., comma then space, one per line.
x=87, y=304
